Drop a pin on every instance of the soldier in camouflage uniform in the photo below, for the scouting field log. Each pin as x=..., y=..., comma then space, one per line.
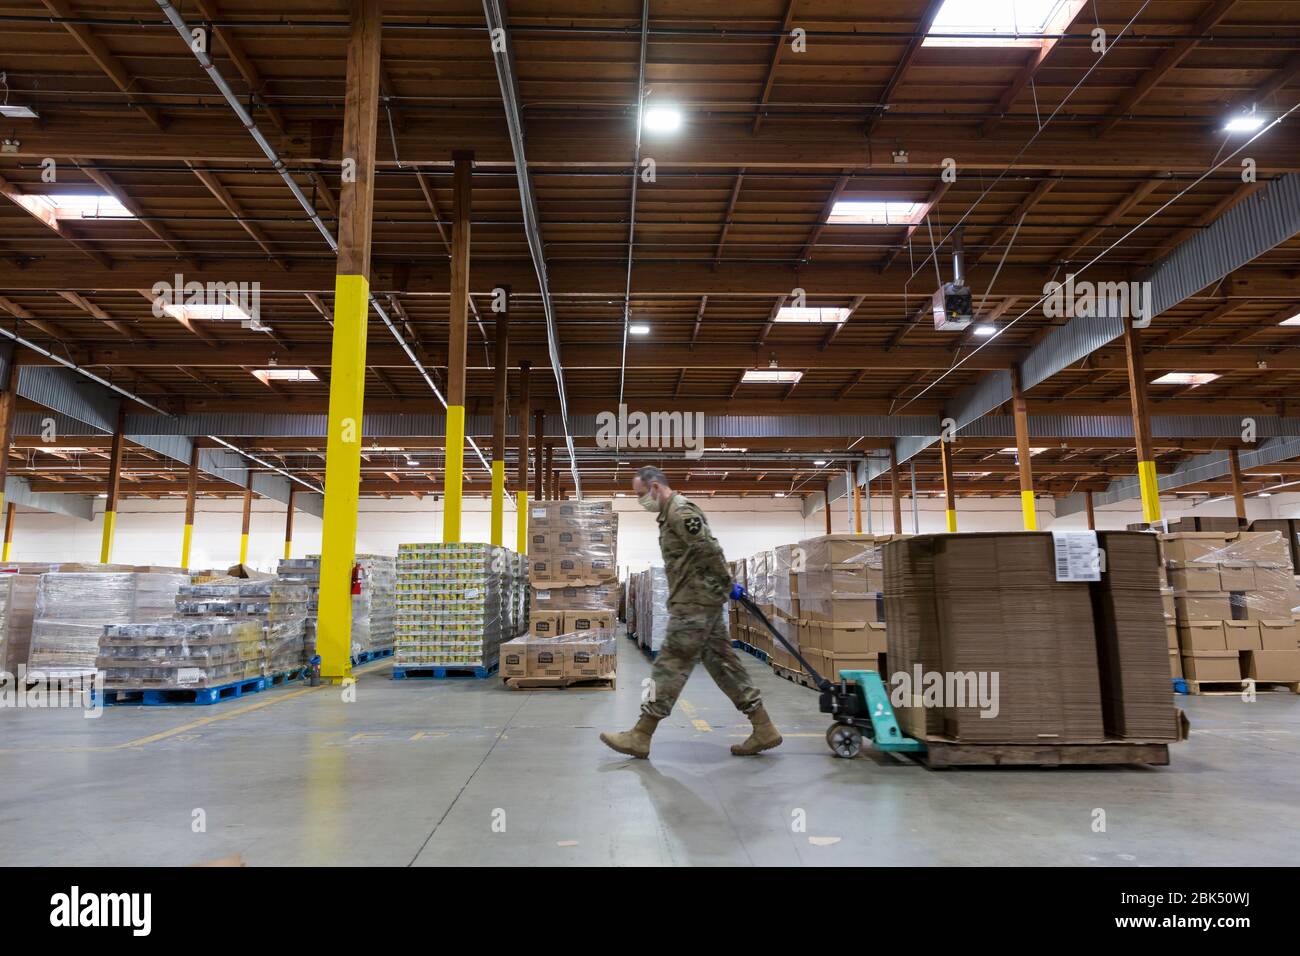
x=699, y=582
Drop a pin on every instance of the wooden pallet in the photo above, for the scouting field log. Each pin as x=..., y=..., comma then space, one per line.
x=608, y=682
x=941, y=753
x=1234, y=688
x=798, y=677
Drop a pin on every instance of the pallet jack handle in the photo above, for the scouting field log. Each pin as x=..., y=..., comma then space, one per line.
x=741, y=597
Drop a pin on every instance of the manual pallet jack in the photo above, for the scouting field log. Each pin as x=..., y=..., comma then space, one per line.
x=858, y=702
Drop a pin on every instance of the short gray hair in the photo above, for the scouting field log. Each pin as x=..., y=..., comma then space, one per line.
x=649, y=473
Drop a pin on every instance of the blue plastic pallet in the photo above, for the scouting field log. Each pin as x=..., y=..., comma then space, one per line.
x=365, y=657
x=286, y=677
x=440, y=672
x=176, y=697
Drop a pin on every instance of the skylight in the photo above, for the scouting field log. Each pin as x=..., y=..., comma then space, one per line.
x=812, y=315
x=207, y=312
x=771, y=375
x=876, y=212
x=1193, y=379
x=267, y=375
x=1000, y=22
x=1032, y=451
x=87, y=206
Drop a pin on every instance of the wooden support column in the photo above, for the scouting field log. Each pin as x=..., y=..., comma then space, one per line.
x=826, y=496
x=9, y=530
x=539, y=461
x=7, y=401
x=1092, y=515
x=893, y=490
x=521, y=490
x=191, y=494
x=1146, y=459
x=457, y=341
x=499, y=412
x=1238, y=492
x=550, y=472
x=857, y=509
x=949, y=483
x=348, y=351
x=114, y=480
x=1020, y=411
x=288, y=521
x=248, y=521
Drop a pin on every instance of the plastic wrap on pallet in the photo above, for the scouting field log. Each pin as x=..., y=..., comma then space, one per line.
x=17, y=612
x=652, y=608
x=787, y=561
x=73, y=607
x=1231, y=576
x=280, y=608
x=564, y=658
x=181, y=653
x=758, y=577
x=572, y=543
x=596, y=597
x=456, y=603
x=840, y=579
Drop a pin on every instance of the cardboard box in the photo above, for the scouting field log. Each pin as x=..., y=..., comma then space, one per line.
x=1236, y=577
x=585, y=659
x=1242, y=635
x=545, y=659
x=1197, y=636
x=546, y=623
x=514, y=659
x=1175, y=664
x=1171, y=635
x=1212, y=666
x=836, y=662
x=1194, y=577
x=1186, y=548
x=1283, y=635
x=1202, y=606
x=575, y=622
x=1270, y=605
x=1279, y=666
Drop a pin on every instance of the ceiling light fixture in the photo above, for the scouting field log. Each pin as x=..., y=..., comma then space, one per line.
x=1194, y=379
x=770, y=376
x=812, y=315
x=1246, y=122
x=661, y=118
x=984, y=331
x=638, y=330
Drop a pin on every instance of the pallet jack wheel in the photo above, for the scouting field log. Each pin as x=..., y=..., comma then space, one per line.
x=845, y=740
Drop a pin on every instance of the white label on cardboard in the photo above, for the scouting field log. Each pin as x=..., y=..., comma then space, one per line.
x=539, y=512
x=471, y=594
x=1078, y=558
x=542, y=595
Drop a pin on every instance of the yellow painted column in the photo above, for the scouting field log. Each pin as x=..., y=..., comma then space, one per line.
x=498, y=501
x=500, y=409
x=348, y=346
x=342, y=476
x=457, y=342
x=1146, y=459
x=191, y=493
x=949, y=483
x=114, y=479
x=288, y=522
x=455, y=469
x=521, y=522
x=248, y=517
x=521, y=496
x=1024, y=454
x=9, y=530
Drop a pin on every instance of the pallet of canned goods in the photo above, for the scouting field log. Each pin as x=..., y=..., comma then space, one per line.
x=181, y=653
x=280, y=608
x=374, y=610
x=456, y=604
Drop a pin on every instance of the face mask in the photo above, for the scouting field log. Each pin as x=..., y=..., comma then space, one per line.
x=648, y=502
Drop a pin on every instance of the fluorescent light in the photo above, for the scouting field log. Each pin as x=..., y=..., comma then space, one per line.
x=984, y=331
x=661, y=118
x=1265, y=494
x=1244, y=123
x=811, y=315
x=87, y=206
x=819, y=462
x=1012, y=451
x=1193, y=379
x=725, y=451
x=1012, y=22
x=876, y=212
x=208, y=312
x=267, y=375
x=779, y=494
x=771, y=375
x=638, y=330
x=17, y=112
x=1294, y=320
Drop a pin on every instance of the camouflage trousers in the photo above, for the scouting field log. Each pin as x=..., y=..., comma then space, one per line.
x=694, y=636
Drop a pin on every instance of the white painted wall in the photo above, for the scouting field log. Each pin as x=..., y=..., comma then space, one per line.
x=149, y=532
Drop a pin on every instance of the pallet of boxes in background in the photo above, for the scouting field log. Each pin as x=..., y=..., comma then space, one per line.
x=1234, y=609
x=456, y=604
x=374, y=608
x=573, y=598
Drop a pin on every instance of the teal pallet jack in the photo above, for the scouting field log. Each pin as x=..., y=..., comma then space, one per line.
x=858, y=702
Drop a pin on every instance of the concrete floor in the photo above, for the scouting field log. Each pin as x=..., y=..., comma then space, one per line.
x=426, y=773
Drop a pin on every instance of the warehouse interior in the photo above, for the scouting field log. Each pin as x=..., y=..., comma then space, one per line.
x=320, y=320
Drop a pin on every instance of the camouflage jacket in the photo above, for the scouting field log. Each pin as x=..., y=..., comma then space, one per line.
x=697, y=571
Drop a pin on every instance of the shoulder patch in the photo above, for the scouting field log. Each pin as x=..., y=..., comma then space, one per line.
x=693, y=524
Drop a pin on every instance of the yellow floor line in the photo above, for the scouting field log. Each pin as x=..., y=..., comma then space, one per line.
x=689, y=710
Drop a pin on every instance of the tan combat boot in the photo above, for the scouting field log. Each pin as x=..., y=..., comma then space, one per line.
x=764, y=737
x=634, y=742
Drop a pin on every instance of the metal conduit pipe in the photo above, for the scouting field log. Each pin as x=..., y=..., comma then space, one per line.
x=183, y=29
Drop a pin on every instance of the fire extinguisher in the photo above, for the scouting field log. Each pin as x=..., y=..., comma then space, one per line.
x=356, y=579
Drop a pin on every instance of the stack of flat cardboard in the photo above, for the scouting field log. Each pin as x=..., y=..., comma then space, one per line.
x=17, y=610
x=971, y=607
x=1235, y=602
